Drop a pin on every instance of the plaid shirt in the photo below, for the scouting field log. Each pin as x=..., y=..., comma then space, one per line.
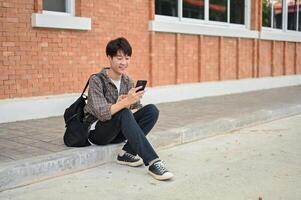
x=102, y=94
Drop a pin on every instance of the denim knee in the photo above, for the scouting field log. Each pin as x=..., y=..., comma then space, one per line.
x=152, y=109
x=125, y=112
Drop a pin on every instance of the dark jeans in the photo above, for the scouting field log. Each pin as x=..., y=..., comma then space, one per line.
x=125, y=125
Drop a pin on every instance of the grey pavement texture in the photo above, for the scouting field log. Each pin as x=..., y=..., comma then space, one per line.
x=260, y=161
x=33, y=150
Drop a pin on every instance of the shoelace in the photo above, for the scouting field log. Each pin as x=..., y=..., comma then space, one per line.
x=160, y=166
x=130, y=155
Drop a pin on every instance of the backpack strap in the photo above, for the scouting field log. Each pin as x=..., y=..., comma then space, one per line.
x=102, y=81
x=85, y=87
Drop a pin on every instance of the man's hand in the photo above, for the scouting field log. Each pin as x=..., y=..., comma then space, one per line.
x=125, y=101
x=132, y=96
x=121, y=97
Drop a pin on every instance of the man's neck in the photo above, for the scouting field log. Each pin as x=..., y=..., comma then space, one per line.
x=113, y=75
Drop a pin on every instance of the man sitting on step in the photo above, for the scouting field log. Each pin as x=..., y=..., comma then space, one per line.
x=115, y=114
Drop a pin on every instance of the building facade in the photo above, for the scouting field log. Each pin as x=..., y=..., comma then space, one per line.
x=50, y=47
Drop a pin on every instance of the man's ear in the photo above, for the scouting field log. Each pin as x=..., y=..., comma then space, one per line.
x=109, y=57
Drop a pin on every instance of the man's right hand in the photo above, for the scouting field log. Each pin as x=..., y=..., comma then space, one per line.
x=133, y=96
x=125, y=101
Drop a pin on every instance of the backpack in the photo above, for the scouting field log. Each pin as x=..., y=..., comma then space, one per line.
x=76, y=133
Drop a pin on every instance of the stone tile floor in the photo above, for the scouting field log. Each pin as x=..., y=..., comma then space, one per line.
x=25, y=139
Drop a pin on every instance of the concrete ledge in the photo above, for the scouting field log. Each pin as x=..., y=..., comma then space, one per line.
x=39, y=168
x=43, y=167
x=60, y=21
x=49, y=106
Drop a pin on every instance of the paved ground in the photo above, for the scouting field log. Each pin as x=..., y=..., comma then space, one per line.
x=27, y=139
x=262, y=161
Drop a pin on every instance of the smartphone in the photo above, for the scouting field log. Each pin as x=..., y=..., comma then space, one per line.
x=141, y=83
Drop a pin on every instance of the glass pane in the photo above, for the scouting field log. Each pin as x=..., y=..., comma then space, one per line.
x=237, y=11
x=299, y=26
x=218, y=10
x=166, y=7
x=193, y=9
x=266, y=13
x=277, y=13
x=292, y=14
x=54, y=5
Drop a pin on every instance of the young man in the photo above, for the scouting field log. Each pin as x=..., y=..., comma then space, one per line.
x=115, y=114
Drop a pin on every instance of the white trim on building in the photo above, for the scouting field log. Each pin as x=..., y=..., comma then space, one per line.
x=279, y=35
x=60, y=21
x=212, y=29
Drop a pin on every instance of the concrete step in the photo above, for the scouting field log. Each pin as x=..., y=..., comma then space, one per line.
x=27, y=171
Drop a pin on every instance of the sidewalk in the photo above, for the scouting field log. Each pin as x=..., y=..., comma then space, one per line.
x=258, y=161
x=33, y=150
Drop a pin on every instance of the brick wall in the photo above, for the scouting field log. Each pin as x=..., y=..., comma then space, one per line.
x=39, y=61
x=183, y=58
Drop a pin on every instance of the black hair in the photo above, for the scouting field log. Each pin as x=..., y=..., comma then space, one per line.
x=118, y=44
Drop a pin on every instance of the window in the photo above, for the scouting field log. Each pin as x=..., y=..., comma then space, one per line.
x=60, y=14
x=218, y=10
x=293, y=10
x=281, y=14
x=299, y=16
x=272, y=13
x=227, y=11
x=237, y=11
x=54, y=5
x=230, y=18
x=167, y=7
x=193, y=9
x=58, y=7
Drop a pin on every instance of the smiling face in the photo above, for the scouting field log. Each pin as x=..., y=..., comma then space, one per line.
x=118, y=63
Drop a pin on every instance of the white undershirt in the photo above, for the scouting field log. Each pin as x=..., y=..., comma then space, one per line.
x=117, y=84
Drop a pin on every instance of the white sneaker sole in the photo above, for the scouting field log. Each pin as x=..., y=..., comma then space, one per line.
x=165, y=176
x=132, y=164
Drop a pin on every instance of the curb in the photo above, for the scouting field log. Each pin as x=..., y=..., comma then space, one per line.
x=39, y=168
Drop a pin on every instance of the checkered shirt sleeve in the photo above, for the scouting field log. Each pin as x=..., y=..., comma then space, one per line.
x=97, y=103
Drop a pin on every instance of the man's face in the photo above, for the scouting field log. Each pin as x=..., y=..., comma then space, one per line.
x=119, y=63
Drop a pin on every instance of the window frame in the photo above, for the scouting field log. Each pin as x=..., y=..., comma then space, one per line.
x=206, y=15
x=297, y=21
x=61, y=20
x=284, y=20
x=269, y=33
x=70, y=9
x=180, y=24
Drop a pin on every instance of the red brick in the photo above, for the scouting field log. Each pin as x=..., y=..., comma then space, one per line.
x=8, y=44
x=12, y=19
x=290, y=59
x=298, y=57
x=3, y=77
x=229, y=59
x=7, y=53
x=245, y=58
x=278, y=59
x=265, y=62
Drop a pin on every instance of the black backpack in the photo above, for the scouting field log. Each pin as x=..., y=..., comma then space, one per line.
x=76, y=133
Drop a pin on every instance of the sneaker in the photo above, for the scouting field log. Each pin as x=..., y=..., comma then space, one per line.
x=130, y=160
x=159, y=171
